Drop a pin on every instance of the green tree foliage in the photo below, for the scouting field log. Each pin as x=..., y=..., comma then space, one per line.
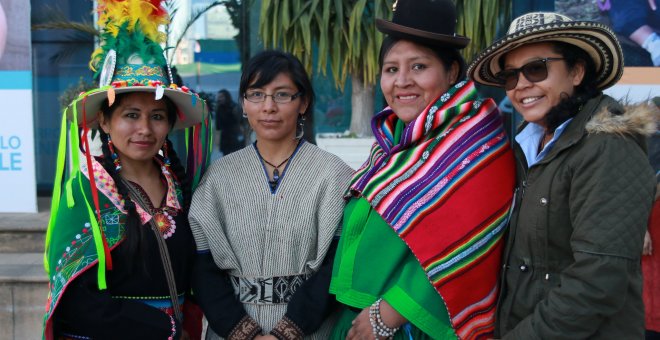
x=342, y=31
x=238, y=12
x=479, y=21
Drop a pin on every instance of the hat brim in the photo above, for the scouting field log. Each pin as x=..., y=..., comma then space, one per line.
x=192, y=108
x=594, y=38
x=405, y=32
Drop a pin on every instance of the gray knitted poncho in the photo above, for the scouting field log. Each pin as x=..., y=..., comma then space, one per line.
x=253, y=232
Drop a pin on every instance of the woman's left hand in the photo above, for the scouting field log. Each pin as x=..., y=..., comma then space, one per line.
x=361, y=327
x=362, y=330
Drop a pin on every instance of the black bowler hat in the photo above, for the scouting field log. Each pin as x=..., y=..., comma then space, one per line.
x=426, y=21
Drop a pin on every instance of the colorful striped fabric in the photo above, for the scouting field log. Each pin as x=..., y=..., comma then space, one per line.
x=446, y=189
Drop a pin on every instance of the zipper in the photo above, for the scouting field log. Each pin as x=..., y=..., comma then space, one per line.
x=518, y=196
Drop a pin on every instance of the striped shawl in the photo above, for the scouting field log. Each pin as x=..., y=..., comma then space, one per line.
x=446, y=188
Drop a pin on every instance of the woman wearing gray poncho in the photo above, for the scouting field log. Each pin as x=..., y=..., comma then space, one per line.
x=265, y=217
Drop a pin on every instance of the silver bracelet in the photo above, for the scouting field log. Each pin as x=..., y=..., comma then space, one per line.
x=377, y=325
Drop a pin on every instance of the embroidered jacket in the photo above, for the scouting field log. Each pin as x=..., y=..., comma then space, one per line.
x=136, y=298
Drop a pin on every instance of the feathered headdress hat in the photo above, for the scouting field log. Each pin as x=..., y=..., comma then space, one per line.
x=130, y=58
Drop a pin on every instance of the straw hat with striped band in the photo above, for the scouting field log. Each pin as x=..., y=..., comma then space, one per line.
x=596, y=39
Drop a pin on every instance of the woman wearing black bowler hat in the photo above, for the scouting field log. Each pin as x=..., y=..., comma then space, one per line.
x=422, y=231
x=572, y=256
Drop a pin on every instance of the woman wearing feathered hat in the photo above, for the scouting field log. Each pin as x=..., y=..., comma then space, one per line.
x=422, y=232
x=585, y=187
x=119, y=247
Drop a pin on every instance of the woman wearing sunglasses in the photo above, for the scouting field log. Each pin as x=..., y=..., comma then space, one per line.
x=585, y=187
x=265, y=218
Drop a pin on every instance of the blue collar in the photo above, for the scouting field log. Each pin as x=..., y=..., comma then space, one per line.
x=530, y=138
x=277, y=184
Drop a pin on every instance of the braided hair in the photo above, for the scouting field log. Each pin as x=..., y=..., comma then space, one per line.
x=134, y=232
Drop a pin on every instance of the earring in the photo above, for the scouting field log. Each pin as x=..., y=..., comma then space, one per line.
x=113, y=154
x=244, y=114
x=300, y=128
x=166, y=158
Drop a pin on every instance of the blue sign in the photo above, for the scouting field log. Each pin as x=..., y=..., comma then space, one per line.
x=10, y=155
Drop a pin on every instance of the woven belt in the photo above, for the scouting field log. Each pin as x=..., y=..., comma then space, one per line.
x=266, y=290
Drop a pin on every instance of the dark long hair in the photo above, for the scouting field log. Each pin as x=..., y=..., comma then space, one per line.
x=267, y=65
x=135, y=233
x=569, y=106
x=447, y=55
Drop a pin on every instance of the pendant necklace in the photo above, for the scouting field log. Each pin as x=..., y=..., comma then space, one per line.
x=276, y=171
x=276, y=168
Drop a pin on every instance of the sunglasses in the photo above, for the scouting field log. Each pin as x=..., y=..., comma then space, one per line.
x=535, y=71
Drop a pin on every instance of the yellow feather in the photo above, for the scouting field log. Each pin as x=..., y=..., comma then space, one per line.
x=114, y=13
x=147, y=16
x=93, y=60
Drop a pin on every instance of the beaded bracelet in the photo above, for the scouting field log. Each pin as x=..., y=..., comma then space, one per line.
x=173, y=328
x=377, y=325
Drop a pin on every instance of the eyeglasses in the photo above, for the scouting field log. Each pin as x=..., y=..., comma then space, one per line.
x=278, y=97
x=535, y=71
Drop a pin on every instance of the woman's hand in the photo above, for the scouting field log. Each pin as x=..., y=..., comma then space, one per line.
x=362, y=330
x=648, y=246
x=361, y=327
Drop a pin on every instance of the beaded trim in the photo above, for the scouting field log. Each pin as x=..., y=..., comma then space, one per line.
x=150, y=298
x=246, y=329
x=173, y=328
x=67, y=336
x=164, y=215
x=106, y=185
x=377, y=325
x=286, y=329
